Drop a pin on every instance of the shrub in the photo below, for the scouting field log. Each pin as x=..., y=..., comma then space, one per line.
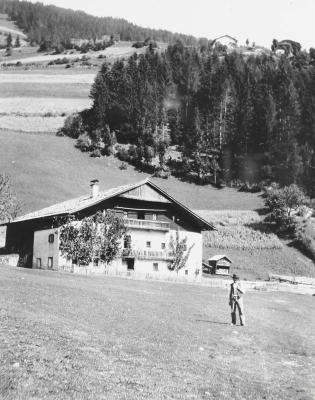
x=138, y=45
x=133, y=153
x=108, y=150
x=73, y=126
x=122, y=154
x=306, y=244
x=83, y=142
x=283, y=204
x=162, y=172
x=96, y=153
x=123, y=166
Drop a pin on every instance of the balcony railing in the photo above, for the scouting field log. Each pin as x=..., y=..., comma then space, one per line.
x=147, y=224
x=147, y=254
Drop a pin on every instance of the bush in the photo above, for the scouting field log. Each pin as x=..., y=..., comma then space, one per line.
x=133, y=153
x=73, y=126
x=138, y=45
x=283, y=204
x=122, y=154
x=162, y=172
x=306, y=244
x=123, y=166
x=96, y=153
x=84, y=142
x=108, y=150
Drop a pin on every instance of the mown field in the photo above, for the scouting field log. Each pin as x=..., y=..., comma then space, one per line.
x=40, y=102
x=73, y=337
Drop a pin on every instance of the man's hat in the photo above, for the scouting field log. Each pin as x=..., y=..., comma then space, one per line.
x=235, y=276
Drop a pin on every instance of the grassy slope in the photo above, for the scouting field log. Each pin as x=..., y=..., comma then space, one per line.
x=46, y=169
x=65, y=336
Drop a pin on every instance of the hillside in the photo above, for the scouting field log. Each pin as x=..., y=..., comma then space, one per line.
x=42, y=23
x=46, y=169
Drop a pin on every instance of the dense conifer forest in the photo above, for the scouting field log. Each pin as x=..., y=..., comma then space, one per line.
x=59, y=25
x=231, y=117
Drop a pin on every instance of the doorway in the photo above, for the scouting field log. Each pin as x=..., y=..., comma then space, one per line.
x=130, y=264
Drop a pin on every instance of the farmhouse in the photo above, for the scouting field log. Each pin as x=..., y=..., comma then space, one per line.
x=225, y=40
x=152, y=217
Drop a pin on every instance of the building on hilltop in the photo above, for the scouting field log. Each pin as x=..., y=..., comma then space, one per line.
x=152, y=218
x=225, y=40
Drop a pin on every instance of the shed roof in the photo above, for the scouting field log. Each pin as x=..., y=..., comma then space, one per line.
x=219, y=257
x=80, y=203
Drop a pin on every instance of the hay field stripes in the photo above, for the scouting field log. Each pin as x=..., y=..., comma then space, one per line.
x=31, y=124
x=110, y=52
x=31, y=106
x=47, y=78
x=40, y=102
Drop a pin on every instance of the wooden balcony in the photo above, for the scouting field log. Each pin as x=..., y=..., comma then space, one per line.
x=147, y=224
x=147, y=254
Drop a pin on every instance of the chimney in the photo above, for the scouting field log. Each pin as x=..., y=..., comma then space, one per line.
x=94, y=188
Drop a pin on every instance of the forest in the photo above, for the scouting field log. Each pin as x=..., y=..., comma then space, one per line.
x=230, y=117
x=57, y=26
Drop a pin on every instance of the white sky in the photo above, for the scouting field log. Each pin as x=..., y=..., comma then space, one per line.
x=258, y=20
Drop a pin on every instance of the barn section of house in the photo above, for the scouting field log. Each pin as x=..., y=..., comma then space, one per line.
x=151, y=215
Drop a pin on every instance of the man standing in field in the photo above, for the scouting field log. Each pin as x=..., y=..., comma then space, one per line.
x=236, y=300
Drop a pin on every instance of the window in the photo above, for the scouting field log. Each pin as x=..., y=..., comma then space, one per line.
x=141, y=215
x=130, y=264
x=149, y=244
x=38, y=262
x=163, y=246
x=127, y=242
x=51, y=238
x=50, y=262
x=155, y=266
x=154, y=217
x=186, y=271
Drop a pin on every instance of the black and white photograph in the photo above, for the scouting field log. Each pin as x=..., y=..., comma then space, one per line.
x=157, y=200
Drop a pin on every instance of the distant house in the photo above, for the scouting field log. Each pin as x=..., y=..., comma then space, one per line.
x=225, y=40
x=151, y=215
x=79, y=42
x=219, y=264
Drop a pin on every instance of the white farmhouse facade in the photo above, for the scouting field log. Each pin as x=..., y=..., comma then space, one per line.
x=152, y=217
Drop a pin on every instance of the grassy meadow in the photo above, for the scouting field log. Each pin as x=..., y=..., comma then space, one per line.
x=46, y=169
x=72, y=337
x=254, y=249
x=40, y=102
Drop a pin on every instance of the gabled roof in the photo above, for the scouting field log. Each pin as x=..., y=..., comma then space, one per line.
x=219, y=257
x=80, y=203
x=224, y=36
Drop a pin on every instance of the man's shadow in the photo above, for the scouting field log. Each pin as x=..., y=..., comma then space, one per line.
x=212, y=322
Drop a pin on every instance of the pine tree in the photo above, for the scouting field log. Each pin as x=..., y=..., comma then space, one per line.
x=17, y=41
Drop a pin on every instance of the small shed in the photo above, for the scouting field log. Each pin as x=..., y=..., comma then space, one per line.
x=219, y=264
